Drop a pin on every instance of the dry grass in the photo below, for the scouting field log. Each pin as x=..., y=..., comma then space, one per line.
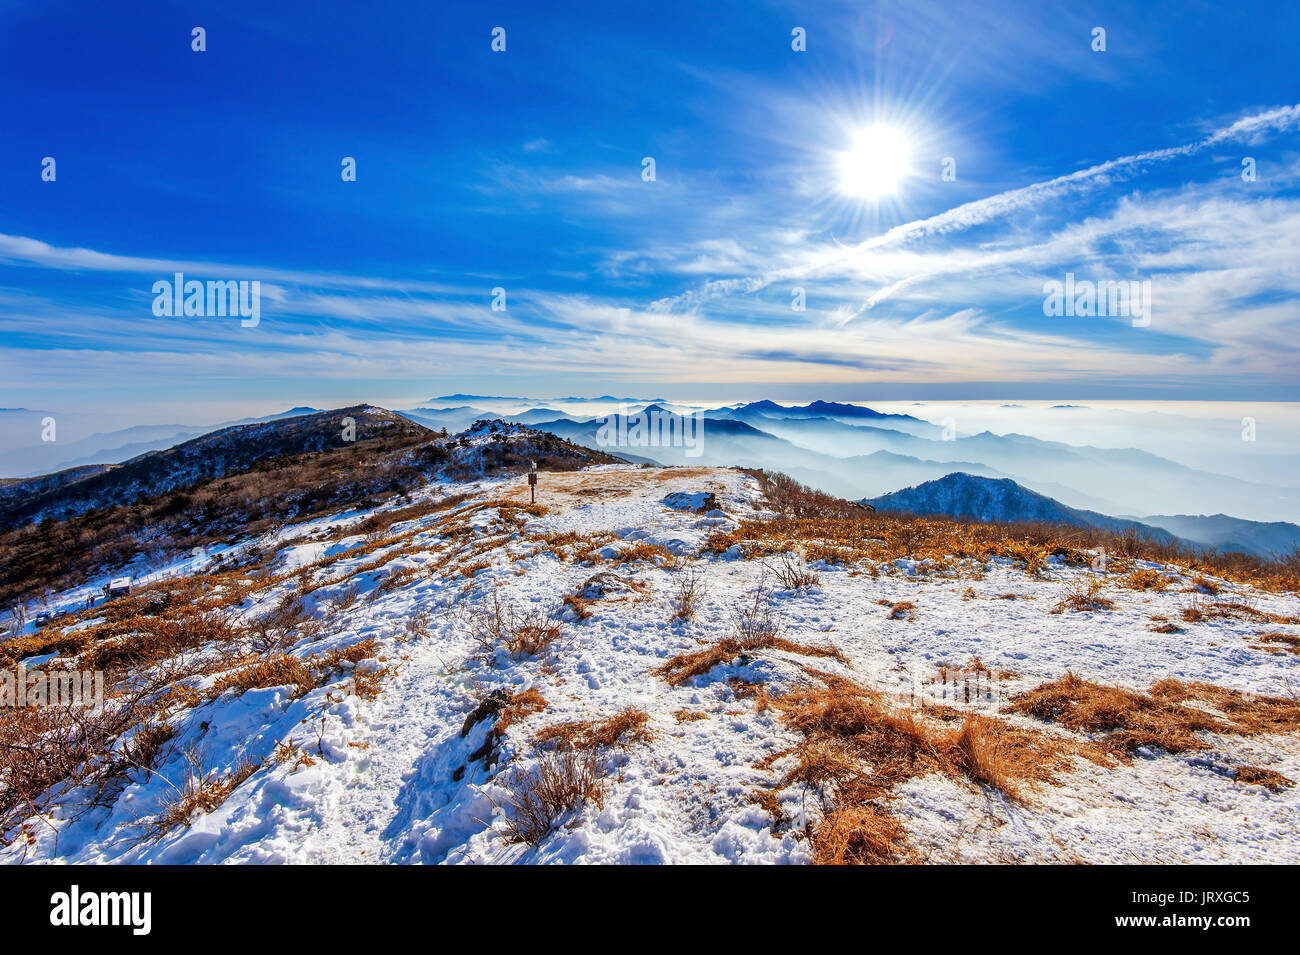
x=572, y=546
x=641, y=550
x=1200, y=611
x=200, y=790
x=283, y=670
x=622, y=729
x=561, y=783
x=1159, y=718
x=521, y=705
x=470, y=569
x=859, y=835
x=753, y=629
x=1248, y=714
x=133, y=635
x=693, y=663
x=689, y=716
x=49, y=751
x=1145, y=579
x=1270, y=779
x=858, y=727
x=900, y=610
x=1083, y=595
x=1281, y=642
x=499, y=626
x=825, y=525
x=287, y=751
x=857, y=746
x=304, y=674
x=581, y=606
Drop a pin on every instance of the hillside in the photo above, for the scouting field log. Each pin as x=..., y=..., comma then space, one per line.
x=661, y=665
x=241, y=481
x=209, y=456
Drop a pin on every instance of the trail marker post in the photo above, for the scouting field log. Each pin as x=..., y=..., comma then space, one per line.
x=532, y=484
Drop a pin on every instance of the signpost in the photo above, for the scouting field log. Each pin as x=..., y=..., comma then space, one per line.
x=532, y=484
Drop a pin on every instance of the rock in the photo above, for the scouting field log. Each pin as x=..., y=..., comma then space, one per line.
x=602, y=585
x=698, y=501
x=489, y=707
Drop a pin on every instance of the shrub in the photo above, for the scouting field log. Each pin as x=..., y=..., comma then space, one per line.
x=560, y=783
x=793, y=573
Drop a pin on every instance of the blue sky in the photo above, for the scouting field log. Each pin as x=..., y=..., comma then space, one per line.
x=523, y=170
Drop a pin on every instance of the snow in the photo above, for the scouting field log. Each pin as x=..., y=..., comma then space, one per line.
x=392, y=779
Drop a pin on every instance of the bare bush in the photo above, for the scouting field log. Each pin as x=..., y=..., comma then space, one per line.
x=688, y=589
x=200, y=790
x=561, y=783
x=754, y=621
x=794, y=573
x=496, y=626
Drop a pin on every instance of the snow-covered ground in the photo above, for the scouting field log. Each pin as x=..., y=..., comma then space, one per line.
x=392, y=780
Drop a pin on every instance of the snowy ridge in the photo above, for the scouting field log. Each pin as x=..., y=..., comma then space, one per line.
x=400, y=777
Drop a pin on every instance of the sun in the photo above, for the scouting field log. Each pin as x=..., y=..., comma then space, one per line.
x=875, y=163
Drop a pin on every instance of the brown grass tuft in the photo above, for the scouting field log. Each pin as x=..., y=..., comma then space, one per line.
x=688, y=589
x=696, y=662
x=623, y=728
x=279, y=670
x=1083, y=595
x=793, y=573
x=496, y=625
x=1290, y=643
x=522, y=704
x=641, y=550
x=859, y=835
x=1201, y=610
x=1270, y=779
x=902, y=610
x=857, y=746
x=201, y=790
x=1130, y=719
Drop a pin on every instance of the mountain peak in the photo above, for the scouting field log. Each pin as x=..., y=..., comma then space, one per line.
x=999, y=500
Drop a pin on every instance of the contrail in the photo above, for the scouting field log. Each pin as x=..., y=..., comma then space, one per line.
x=983, y=210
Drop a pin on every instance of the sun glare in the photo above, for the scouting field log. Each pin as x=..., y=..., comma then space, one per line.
x=875, y=164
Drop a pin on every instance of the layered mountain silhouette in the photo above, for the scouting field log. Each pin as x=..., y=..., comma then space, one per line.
x=848, y=450
x=1001, y=500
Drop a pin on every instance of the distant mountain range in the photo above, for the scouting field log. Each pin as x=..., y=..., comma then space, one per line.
x=844, y=449
x=1267, y=539
x=1001, y=499
x=856, y=452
